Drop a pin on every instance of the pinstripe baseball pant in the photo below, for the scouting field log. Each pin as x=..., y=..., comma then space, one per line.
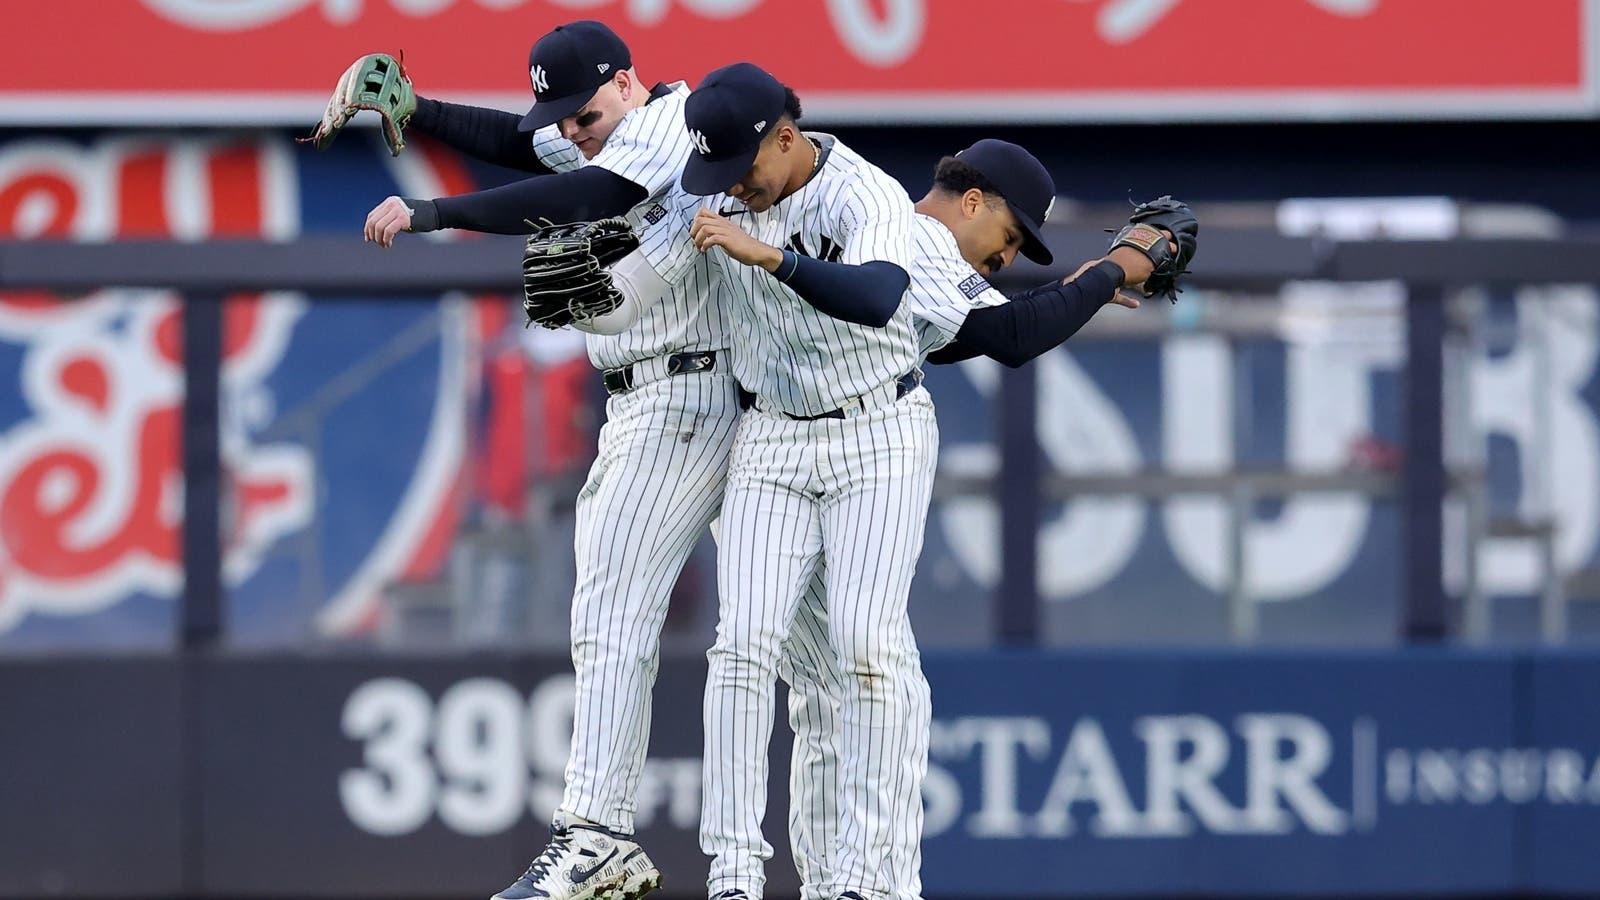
x=853, y=494
x=653, y=489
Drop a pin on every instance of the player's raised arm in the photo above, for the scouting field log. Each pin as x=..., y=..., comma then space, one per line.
x=585, y=89
x=495, y=136
x=748, y=145
x=1148, y=255
x=380, y=83
x=987, y=206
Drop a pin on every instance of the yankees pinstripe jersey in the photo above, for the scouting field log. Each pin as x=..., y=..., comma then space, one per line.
x=794, y=357
x=649, y=148
x=944, y=286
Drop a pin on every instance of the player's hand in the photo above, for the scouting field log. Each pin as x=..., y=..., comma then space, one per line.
x=712, y=230
x=386, y=220
x=1119, y=297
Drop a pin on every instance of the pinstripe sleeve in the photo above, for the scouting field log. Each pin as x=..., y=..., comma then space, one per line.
x=554, y=151
x=650, y=147
x=665, y=242
x=944, y=289
x=875, y=220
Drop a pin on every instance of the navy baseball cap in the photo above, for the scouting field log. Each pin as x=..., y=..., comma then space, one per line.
x=1024, y=183
x=728, y=114
x=567, y=66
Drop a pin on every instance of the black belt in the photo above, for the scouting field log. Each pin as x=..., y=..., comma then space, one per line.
x=620, y=379
x=903, y=385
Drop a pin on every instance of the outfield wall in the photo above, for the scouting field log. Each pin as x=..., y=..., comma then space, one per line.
x=1072, y=775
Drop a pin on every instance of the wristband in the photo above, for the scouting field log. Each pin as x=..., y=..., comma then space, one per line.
x=1118, y=276
x=424, y=215
x=791, y=261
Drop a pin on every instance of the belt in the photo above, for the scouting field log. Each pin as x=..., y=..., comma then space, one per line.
x=903, y=385
x=623, y=379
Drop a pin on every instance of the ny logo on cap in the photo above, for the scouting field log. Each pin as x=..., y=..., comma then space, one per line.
x=698, y=138
x=541, y=81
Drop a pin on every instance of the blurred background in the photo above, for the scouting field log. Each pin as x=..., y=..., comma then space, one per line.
x=1287, y=589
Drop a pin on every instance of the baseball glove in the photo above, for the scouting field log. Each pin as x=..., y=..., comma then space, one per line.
x=377, y=82
x=564, y=276
x=1144, y=233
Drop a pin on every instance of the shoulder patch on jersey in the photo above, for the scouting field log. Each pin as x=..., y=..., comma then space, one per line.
x=654, y=214
x=973, y=286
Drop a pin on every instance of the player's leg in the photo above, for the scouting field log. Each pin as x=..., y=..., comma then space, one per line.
x=771, y=539
x=810, y=668
x=654, y=487
x=638, y=523
x=872, y=537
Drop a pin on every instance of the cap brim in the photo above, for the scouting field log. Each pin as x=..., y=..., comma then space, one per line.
x=1033, y=246
x=704, y=177
x=549, y=112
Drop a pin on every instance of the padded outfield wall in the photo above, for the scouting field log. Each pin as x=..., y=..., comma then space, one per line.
x=1084, y=775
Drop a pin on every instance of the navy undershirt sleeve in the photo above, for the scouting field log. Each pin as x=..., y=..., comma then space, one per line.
x=1035, y=320
x=867, y=294
x=582, y=195
x=487, y=134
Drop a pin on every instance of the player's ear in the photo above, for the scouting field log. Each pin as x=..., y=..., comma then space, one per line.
x=625, y=83
x=785, y=135
x=972, y=203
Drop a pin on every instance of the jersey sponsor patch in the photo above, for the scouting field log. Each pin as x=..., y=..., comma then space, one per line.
x=973, y=286
x=654, y=214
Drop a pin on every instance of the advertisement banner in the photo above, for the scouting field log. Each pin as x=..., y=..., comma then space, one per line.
x=1407, y=773
x=1263, y=775
x=430, y=778
x=274, y=61
x=90, y=478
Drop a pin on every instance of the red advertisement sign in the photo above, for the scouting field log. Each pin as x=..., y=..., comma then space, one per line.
x=270, y=61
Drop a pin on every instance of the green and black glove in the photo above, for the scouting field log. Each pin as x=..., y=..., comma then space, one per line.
x=377, y=82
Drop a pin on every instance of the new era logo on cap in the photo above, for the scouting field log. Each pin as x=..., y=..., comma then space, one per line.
x=761, y=125
x=604, y=68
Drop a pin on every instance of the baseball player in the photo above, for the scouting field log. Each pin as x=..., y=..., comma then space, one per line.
x=833, y=462
x=658, y=478
x=985, y=206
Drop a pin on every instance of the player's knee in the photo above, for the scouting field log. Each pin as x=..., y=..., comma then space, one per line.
x=865, y=653
x=613, y=647
x=744, y=660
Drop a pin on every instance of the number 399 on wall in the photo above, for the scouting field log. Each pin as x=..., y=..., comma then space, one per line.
x=480, y=757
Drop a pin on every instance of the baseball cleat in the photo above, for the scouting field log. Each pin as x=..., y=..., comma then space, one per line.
x=640, y=877
x=585, y=862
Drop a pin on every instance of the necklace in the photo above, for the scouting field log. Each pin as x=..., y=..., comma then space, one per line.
x=816, y=154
